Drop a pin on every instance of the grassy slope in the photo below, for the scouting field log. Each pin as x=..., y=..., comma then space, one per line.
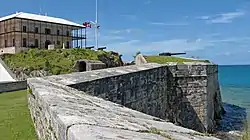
x=15, y=121
x=56, y=61
x=165, y=59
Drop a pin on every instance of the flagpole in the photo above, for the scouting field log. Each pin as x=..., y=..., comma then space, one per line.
x=96, y=25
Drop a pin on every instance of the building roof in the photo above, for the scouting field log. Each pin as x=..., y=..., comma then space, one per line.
x=41, y=18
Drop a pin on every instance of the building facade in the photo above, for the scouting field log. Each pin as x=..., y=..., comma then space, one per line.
x=22, y=31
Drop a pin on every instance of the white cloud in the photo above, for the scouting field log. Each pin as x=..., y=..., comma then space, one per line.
x=130, y=17
x=123, y=31
x=174, y=45
x=232, y=40
x=223, y=17
x=130, y=47
x=108, y=38
x=169, y=24
x=204, y=17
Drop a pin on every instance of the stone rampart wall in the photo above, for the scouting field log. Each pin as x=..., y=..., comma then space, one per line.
x=63, y=113
x=187, y=95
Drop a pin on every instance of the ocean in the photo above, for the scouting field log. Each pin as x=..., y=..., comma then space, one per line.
x=235, y=85
x=235, y=90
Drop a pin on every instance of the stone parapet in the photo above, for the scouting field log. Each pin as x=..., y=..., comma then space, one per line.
x=63, y=113
x=175, y=93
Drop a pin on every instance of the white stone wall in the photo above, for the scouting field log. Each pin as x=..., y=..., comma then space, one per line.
x=4, y=75
x=12, y=50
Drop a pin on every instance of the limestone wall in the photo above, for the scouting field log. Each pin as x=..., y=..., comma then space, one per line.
x=63, y=113
x=187, y=95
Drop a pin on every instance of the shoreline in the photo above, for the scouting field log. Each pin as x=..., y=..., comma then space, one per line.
x=233, y=123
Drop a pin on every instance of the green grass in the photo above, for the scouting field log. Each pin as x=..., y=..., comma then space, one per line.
x=60, y=61
x=15, y=121
x=166, y=59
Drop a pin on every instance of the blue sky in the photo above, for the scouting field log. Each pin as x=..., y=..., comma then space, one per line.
x=213, y=29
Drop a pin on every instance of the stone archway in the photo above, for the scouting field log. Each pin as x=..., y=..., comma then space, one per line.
x=82, y=66
x=47, y=43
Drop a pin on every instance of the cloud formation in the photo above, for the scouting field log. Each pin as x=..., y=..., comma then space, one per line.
x=169, y=24
x=123, y=31
x=130, y=17
x=130, y=47
x=223, y=17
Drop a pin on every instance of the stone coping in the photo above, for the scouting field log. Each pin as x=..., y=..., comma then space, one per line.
x=79, y=77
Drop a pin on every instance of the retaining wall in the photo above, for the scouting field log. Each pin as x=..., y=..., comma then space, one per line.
x=187, y=95
x=63, y=113
x=6, y=74
x=13, y=86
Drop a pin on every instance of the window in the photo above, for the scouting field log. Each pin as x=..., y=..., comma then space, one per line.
x=36, y=29
x=14, y=42
x=24, y=42
x=47, y=31
x=67, y=33
x=58, y=42
x=24, y=29
x=36, y=43
x=13, y=28
x=5, y=43
x=67, y=44
x=58, y=32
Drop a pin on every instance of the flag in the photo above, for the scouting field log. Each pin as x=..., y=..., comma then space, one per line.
x=87, y=24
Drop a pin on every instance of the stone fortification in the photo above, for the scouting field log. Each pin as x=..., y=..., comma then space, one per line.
x=64, y=106
x=187, y=95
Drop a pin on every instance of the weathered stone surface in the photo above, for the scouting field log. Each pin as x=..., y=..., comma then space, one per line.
x=63, y=113
x=177, y=93
x=139, y=60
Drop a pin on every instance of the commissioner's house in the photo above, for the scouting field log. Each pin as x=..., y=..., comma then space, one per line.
x=24, y=30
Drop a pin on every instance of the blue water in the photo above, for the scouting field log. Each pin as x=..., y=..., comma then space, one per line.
x=235, y=89
x=235, y=85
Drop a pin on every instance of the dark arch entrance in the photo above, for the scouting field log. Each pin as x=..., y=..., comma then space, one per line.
x=47, y=43
x=82, y=66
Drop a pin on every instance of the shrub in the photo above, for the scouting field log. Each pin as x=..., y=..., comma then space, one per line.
x=58, y=61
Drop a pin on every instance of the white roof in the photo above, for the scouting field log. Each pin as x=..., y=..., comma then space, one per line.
x=41, y=18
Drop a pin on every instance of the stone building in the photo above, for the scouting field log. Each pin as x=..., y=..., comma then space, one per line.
x=22, y=31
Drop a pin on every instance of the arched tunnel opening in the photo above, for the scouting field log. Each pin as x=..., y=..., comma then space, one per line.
x=82, y=66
